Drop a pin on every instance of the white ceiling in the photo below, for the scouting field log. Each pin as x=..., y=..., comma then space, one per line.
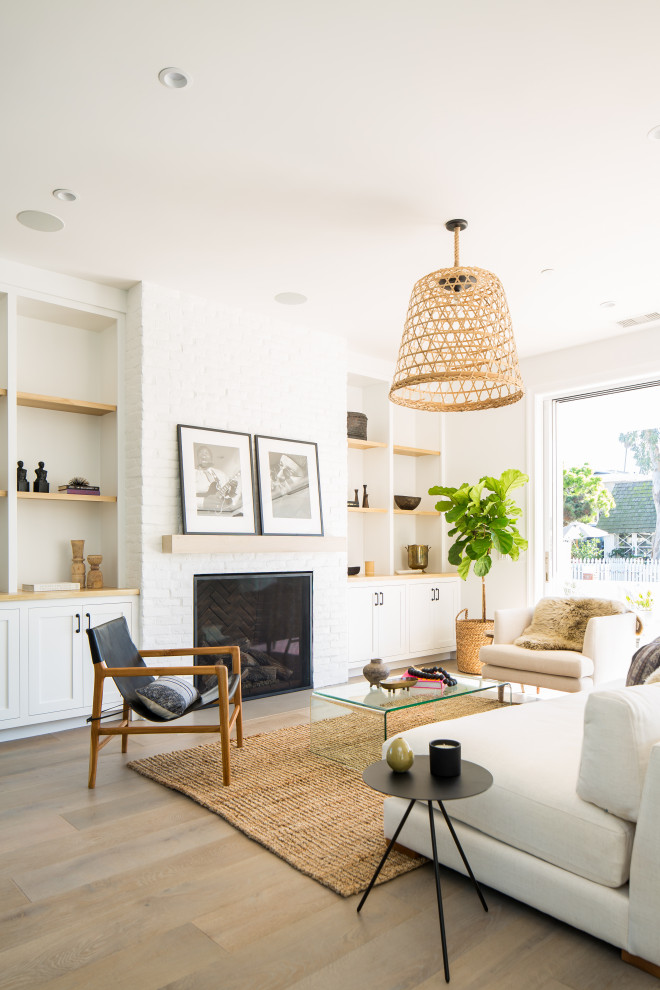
x=322, y=146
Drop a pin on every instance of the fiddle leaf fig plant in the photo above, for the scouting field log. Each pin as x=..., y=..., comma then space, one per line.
x=484, y=518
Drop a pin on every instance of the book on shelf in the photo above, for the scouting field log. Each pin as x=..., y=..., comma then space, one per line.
x=85, y=490
x=53, y=586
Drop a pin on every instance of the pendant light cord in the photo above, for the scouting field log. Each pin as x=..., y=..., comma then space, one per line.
x=456, y=233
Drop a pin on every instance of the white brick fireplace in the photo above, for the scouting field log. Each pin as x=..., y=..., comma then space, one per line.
x=192, y=361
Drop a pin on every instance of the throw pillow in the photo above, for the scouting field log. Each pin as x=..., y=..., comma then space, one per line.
x=620, y=729
x=644, y=662
x=560, y=623
x=653, y=678
x=169, y=697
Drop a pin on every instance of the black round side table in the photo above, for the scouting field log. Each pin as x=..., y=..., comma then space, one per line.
x=418, y=784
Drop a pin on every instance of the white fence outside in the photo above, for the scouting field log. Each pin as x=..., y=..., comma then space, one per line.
x=616, y=569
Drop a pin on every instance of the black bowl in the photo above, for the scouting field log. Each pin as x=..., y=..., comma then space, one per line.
x=407, y=501
x=352, y=571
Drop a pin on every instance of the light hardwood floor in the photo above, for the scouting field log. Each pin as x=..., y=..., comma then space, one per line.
x=132, y=885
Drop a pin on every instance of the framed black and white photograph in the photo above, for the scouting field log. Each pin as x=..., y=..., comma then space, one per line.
x=289, y=489
x=216, y=480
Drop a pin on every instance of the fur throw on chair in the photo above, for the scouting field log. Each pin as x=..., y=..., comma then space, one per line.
x=560, y=623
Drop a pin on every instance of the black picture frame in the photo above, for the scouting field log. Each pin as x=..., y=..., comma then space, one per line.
x=217, y=484
x=289, y=487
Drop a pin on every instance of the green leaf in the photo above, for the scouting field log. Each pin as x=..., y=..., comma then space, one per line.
x=513, y=479
x=455, y=554
x=500, y=522
x=464, y=568
x=455, y=513
x=444, y=506
x=493, y=485
x=439, y=490
x=482, y=545
x=502, y=540
x=482, y=566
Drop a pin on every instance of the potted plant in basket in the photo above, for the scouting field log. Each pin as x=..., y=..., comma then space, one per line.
x=484, y=519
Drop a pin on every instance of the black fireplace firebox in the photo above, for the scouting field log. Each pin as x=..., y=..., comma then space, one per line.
x=269, y=616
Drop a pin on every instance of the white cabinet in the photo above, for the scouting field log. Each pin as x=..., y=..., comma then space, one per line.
x=376, y=622
x=46, y=670
x=432, y=610
x=9, y=666
x=397, y=621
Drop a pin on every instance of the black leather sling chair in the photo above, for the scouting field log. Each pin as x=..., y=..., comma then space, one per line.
x=115, y=655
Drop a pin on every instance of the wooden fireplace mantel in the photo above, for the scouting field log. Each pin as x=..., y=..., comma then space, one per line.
x=210, y=543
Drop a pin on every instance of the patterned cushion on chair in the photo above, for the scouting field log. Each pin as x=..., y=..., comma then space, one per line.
x=644, y=662
x=169, y=697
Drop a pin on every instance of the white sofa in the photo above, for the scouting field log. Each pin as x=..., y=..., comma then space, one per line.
x=541, y=833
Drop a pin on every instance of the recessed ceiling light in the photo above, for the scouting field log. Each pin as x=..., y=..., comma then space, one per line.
x=39, y=221
x=654, y=133
x=290, y=298
x=66, y=195
x=174, y=78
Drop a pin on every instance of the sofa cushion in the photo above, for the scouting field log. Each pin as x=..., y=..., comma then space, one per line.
x=563, y=663
x=560, y=623
x=533, y=752
x=169, y=697
x=620, y=727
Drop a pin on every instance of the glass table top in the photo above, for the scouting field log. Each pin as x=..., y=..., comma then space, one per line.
x=359, y=694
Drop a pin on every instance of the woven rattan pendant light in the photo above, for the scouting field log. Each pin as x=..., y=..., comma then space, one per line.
x=457, y=351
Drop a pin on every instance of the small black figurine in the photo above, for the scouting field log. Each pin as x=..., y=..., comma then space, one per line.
x=22, y=484
x=40, y=485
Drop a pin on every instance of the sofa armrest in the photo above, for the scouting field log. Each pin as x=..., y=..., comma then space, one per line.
x=645, y=869
x=510, y=622
x=609, y=641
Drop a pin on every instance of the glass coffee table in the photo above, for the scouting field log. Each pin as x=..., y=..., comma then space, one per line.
x=350, y=722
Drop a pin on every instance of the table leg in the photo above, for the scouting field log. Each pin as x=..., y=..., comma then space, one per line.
x=463, y=856
x=438, y=892
x=387, y=852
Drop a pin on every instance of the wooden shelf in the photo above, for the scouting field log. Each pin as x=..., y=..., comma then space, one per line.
x=416, y=512
x=356, y=444
x=63, y=497
x=212, y=543
x=63, y=405
x=357, y=508
x=414, y=451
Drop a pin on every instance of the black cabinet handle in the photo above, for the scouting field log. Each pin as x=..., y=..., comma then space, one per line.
x=89, y=620
x=381, y=598
x=78, y=618
x=376, y=597
x=432, y=594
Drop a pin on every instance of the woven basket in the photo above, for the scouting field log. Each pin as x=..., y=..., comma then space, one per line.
x=470, y=637
x=356, y=425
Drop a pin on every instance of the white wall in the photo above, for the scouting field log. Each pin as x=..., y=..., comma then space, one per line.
x=488, y=442
x=192, y=361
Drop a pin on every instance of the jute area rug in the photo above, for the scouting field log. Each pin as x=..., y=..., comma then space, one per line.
x=315, y=813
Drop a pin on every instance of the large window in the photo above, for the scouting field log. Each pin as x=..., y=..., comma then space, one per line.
x=607, y=492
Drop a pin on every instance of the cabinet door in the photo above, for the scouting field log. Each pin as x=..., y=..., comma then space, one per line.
x=9, y=664
x=94, y=615
x=445, y=606
x=422, y=614
x=390, y=620
x=55, y=641
x=361, y=625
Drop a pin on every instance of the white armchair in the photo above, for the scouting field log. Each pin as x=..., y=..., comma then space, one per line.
x=609, y=644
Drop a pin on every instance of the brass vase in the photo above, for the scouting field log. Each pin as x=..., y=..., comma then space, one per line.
x=418, y=556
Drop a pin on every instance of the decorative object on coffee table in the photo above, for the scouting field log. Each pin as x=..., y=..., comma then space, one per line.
x=400, y=756
x=95, y=577
x=445, y=757
x=365, y=497
x=22, y=484
x=398, y=683
x=375, y=672
x=356, y=425
x=78, y=564
x=40, y=484
x=407, y=502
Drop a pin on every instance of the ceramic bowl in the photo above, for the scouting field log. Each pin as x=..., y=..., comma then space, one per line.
x=352, y=571
x=407, y=501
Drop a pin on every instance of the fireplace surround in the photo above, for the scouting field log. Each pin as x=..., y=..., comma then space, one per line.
x=269, y=616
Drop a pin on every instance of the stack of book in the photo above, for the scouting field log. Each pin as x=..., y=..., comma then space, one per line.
x=81, y=490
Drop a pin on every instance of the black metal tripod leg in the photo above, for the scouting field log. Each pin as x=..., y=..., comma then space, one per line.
x=463, y=856
x=438, y=892
x=387, y=852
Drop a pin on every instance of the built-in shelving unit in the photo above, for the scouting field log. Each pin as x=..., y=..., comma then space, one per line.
x=403, y=458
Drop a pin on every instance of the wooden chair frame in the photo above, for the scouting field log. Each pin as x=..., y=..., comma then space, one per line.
x=126, y=727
